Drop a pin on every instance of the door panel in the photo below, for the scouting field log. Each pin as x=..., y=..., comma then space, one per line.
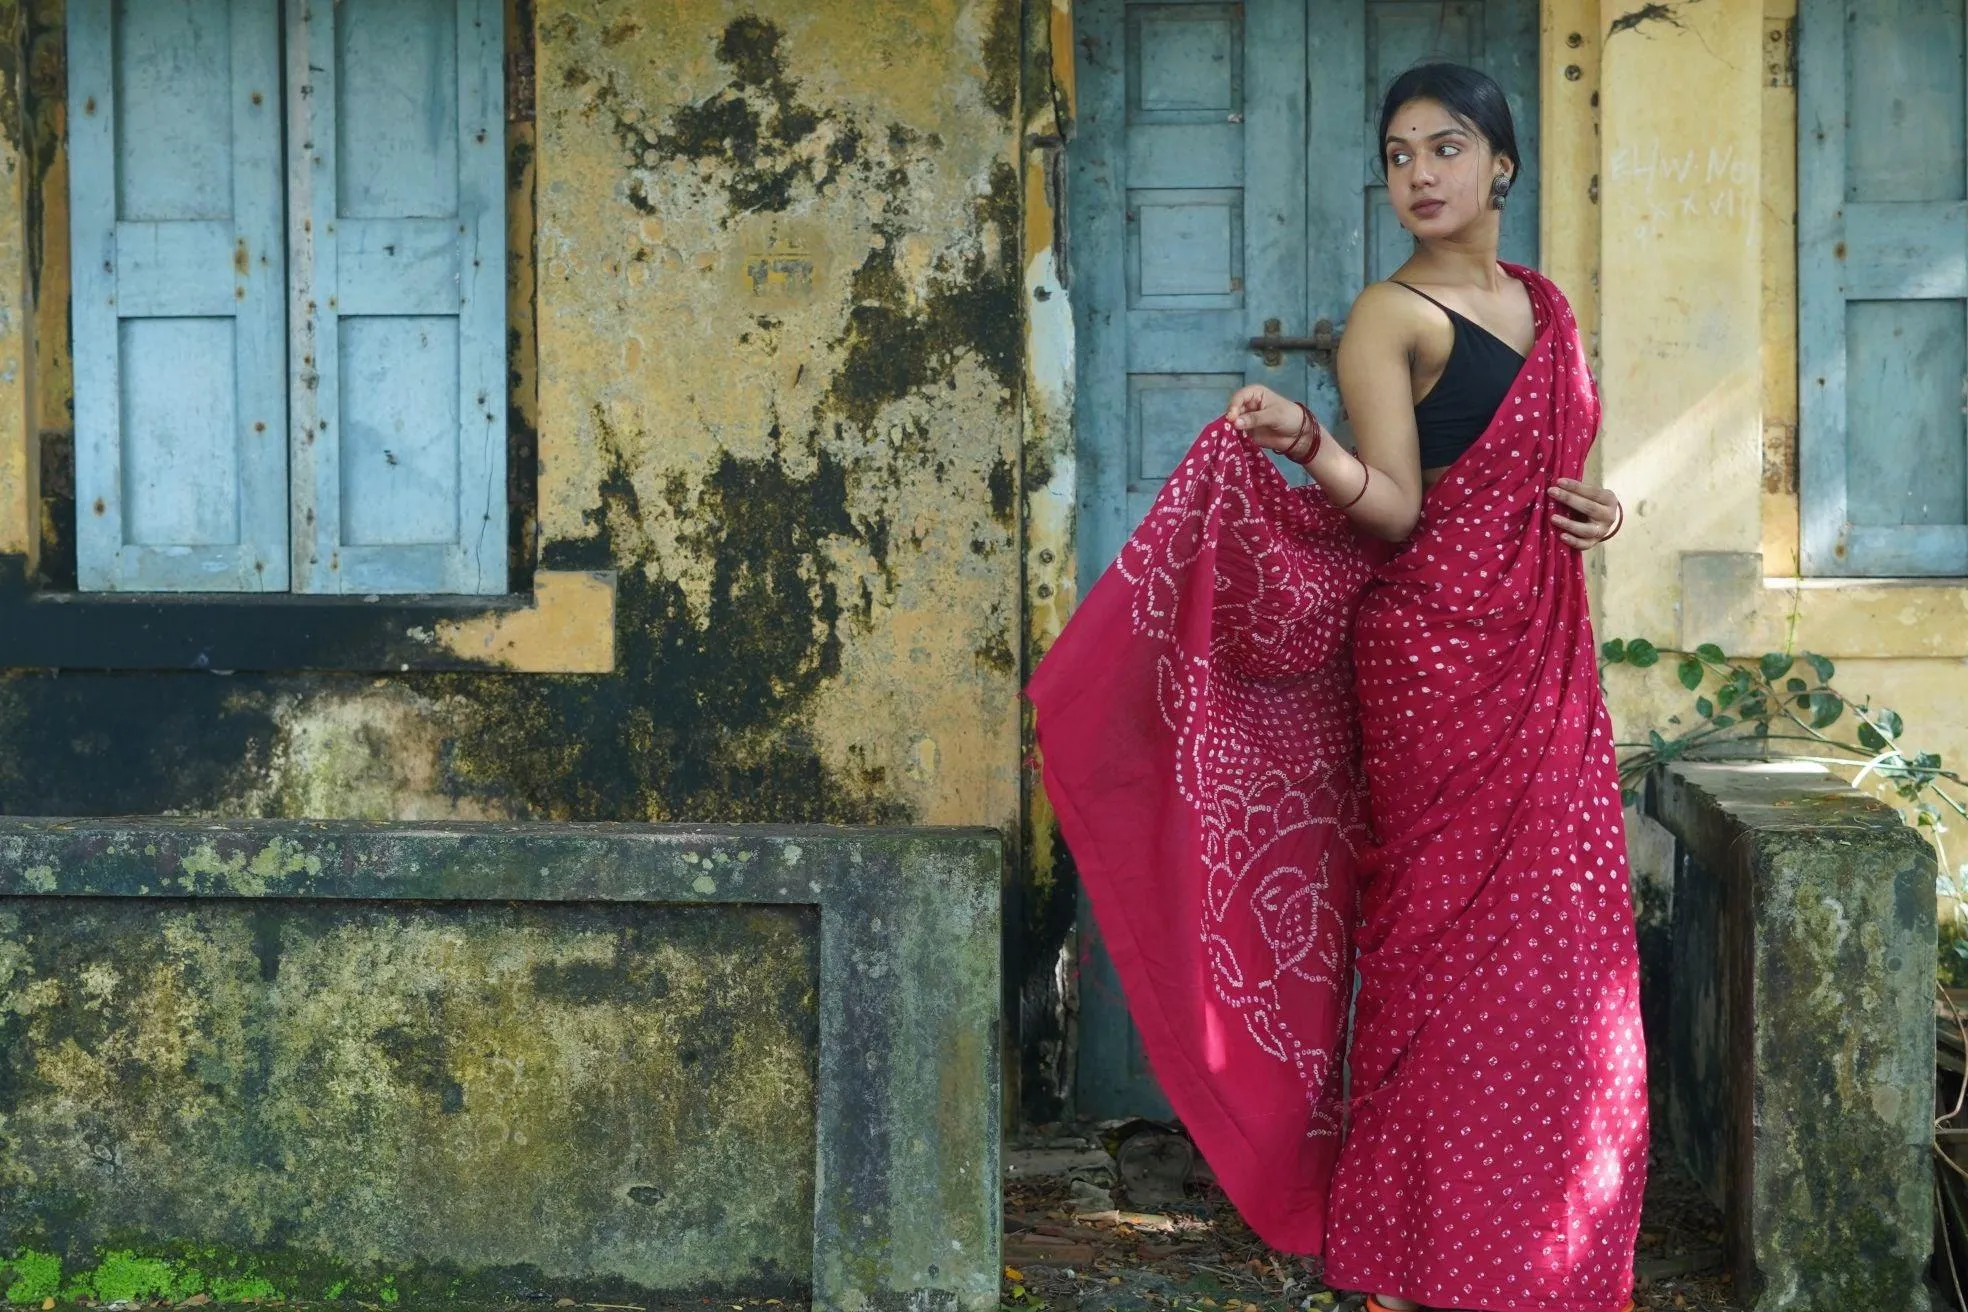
x=180, y=377
x=397, y=215
x=1222, y=181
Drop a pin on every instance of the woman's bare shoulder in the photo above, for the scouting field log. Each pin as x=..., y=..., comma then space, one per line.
x=1385, y=311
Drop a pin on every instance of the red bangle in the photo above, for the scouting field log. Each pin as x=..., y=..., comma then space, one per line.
x=1619, y=520
x=1318, y=436
x=1366, y=477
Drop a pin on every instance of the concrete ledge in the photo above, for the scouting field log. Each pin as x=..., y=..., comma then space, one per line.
x=1799, y=1049
x=496, y=1064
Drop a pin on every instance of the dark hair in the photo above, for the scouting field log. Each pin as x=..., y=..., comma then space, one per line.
x=1469, y=94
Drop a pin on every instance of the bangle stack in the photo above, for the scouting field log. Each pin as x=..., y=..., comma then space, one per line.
x=1318, y=436
x=1318, y=440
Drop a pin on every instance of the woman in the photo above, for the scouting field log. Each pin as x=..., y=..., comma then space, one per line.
x=1359, y=723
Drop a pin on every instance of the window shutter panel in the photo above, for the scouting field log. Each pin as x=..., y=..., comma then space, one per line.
x=180, y=345
x=1883, y=287
x=397, y=252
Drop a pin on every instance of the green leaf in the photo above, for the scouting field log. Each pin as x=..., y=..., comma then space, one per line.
x=1890, y=724
x=1762, y=729
x=1826, y=707
x=1690, y=672
x=1869, y=737
x=1640, y=653
x=1724, y=721
x=1796, y=685
x=1704, y=707
x=1711, y=653
x=1725, y=696
x=1654, y=739
x=1614, y=651
x=1775, y=665
x=1821, y=665
x=1629, y=797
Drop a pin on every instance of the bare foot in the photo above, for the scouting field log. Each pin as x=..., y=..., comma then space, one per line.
x=1393, y=1304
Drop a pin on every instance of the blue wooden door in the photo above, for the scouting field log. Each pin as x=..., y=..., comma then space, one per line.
x=1883, y=286
x=1222, y=187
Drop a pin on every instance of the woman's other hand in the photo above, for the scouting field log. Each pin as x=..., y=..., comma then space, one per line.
x=1266, y=418
x=1594, y=516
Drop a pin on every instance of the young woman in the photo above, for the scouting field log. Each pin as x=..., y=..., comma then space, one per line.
x=1298, y=732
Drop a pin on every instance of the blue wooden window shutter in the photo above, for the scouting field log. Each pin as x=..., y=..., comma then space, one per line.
x=1883, y=287
x=178, y=311
x=397, y=238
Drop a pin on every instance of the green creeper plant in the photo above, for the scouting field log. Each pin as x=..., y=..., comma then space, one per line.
x=1746, y=707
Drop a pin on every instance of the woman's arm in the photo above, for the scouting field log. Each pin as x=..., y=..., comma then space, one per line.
x=1381, y=487
x=1376, y=384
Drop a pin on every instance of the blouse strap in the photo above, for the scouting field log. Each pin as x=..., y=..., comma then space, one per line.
x=1426, y=297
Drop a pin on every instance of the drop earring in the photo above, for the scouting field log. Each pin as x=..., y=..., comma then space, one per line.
x=1499, y=189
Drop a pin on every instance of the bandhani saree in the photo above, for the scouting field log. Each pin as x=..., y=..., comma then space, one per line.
x=1281, y=752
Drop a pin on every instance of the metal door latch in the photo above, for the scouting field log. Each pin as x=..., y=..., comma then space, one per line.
x=1320, y=345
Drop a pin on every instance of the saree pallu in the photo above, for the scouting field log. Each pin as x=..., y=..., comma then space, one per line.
x=1280, y=752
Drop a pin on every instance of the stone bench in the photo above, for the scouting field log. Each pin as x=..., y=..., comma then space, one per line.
x=1787, y=930
x=498, y=1065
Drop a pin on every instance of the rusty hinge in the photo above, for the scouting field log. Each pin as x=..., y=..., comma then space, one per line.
x=1780, y=52
x=519, y=85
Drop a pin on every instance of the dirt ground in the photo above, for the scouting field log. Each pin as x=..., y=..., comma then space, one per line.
x=1066, y=1252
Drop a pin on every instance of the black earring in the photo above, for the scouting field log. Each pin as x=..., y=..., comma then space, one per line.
x=1499, y=189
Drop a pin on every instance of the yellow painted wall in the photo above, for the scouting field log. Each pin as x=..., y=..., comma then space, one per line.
x=1693, y=243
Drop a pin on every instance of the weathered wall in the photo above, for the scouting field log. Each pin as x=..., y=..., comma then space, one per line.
x=1042, y=967
x=528, y=1092
x=496, y=1065
x=1678, y=216
x=778, y=390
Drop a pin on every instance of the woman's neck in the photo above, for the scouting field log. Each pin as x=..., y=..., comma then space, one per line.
x=1454, y=263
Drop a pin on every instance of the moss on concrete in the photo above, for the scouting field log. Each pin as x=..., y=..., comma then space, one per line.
x=579, y=1100
x=1801, y=1023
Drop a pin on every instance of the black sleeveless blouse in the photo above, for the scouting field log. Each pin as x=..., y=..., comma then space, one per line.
x=1475, y=380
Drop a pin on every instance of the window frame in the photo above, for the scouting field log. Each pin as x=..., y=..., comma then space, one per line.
x=47, y=623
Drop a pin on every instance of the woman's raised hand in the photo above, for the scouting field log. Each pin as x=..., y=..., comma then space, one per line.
x=1268, y=419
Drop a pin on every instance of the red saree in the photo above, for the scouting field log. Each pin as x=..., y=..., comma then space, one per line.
x=1280, y=752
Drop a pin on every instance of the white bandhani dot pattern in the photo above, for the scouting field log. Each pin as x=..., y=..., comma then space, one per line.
x=1497, y=1149
x=1214, y=777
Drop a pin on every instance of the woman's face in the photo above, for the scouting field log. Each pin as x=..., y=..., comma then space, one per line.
x=1439, y=170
